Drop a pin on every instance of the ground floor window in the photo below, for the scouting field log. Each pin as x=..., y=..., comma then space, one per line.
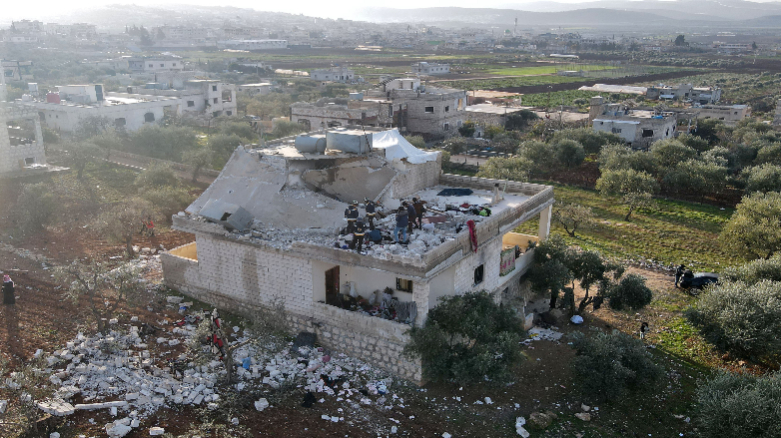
x=479, y=274
x=404, y=285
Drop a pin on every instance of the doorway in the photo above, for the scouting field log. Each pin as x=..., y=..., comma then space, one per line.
x=332, y=287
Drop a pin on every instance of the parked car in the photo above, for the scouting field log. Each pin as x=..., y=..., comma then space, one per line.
x=698, y=280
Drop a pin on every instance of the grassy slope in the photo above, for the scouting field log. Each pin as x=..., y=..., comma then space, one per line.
x=676, y=232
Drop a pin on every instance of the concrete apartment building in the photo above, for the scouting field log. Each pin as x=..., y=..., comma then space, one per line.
x=730, y=115
x=685, y=92
x=267, y=238
x=198, y=96
x=430, y=68
x=155, y=64
x=334, y=74
x=18, y=152
x=638, y=128
x=64, y=110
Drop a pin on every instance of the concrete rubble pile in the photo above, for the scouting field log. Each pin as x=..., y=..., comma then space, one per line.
x=128, y=373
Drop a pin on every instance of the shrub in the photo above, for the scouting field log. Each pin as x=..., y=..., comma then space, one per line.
x=763, y=178
x=466, y=338
x=569, y=153
x=635, y=188
x=168, y=143
x=284, y=128
x=467, y=129
x=223, y=145
x=697, y=143
x=739, y=405
x=755, y=271
x=754, y=230
x=35, y=207
x=770, y=153
x=515, y=168
x=592, y=141
x=669, y=153
x=520, y=120
x=417, y=141
x=630, y=292
x=741, y=318
x=609, y=365
x=540, y=154
x=156, y=176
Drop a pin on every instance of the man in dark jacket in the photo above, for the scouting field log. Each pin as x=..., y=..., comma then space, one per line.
x=371, y=211
x=411, y=214
x=9, y=296
x=358, y=233
x=402, y=221
x=351, y=214
x=420, y=208
x=679, y=274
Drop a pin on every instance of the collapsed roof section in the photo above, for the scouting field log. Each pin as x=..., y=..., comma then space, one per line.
x=301, y=185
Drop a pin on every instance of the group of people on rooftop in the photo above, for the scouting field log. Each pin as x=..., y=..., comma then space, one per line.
x=408, y=216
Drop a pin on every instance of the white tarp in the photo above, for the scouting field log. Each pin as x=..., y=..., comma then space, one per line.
x=397, y=147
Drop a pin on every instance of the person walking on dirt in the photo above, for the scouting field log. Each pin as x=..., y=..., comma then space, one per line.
x=679, y=274
x=9, y=296
x=150, y=227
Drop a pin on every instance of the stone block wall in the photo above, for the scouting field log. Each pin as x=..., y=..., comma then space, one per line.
x=417, y=177
x=246, y=280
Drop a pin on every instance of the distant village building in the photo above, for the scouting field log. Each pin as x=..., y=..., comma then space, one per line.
x=730, y=115
x=334, y=74
x=65, y=109
x=210, y=97
x=685, y=92
x=429, y=68
x=155, y=64
x=638, y=128
x=260, y=89
x=340, y=112
x=401, y=103
x=18, y=151
x=434, y=111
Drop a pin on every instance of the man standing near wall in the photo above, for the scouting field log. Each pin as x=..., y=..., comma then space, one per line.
x=402, y=221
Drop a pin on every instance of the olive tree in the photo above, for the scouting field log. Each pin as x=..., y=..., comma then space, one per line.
x=467, y=338
x=754, y=230
x=635, y=188
x=120, y=222
x=572, y=216
x=515, y=168
x=99, y=286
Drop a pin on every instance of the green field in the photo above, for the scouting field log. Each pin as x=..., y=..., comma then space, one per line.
x=675, y=232
x=545, y=70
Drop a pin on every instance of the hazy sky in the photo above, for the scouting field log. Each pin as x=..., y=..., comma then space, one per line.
x=47, y=9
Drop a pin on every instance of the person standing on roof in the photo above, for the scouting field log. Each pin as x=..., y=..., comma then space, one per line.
x=351, y=214
x=360, y=231
x=402, y=220
x=9, y=296
x=411, y=213
x=420, y=208
x=371, y=211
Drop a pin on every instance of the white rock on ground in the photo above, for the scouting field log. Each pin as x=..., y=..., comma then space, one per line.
x=519, y=429
x=261, y=404
x=156, y=431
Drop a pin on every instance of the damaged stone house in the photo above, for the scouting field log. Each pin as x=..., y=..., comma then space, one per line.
x=267, y=237
x=404, y=103
x=20, y=148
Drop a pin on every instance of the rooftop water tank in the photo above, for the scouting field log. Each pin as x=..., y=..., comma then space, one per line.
x=311, y=144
